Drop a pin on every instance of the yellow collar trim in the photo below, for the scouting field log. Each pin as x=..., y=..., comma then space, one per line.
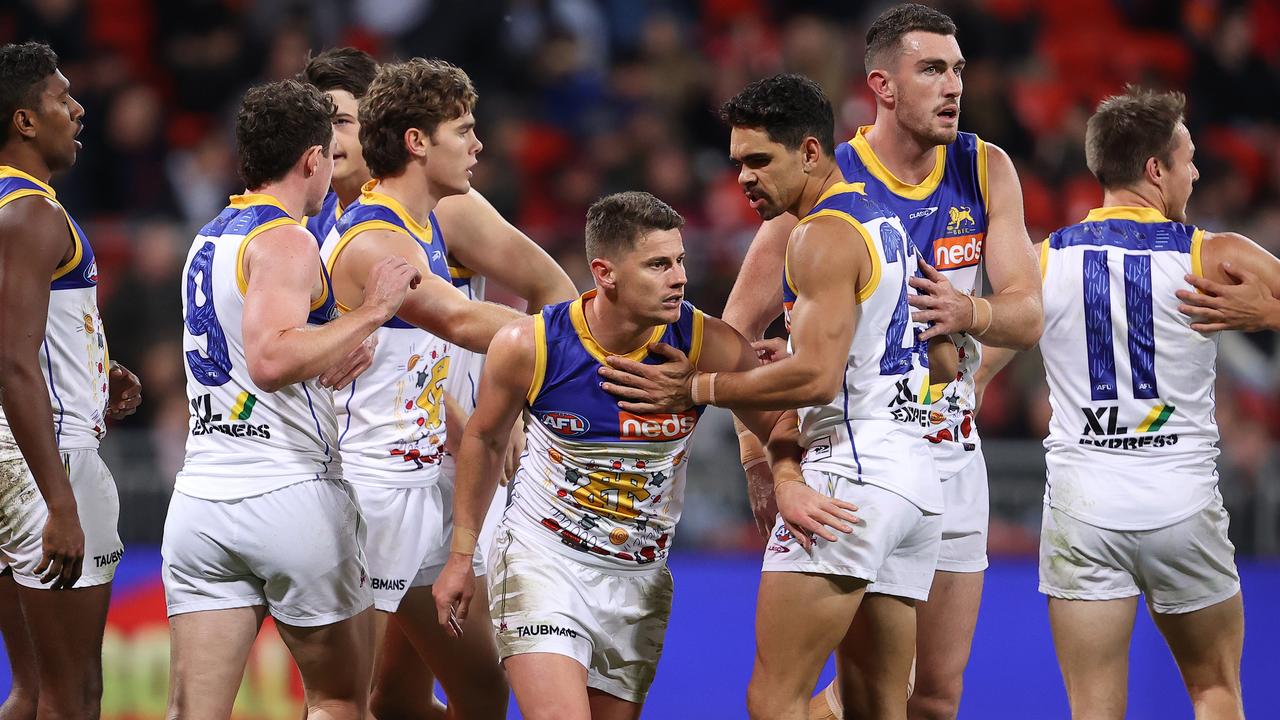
x=369, y=196
x=240, y=202
x=842, y=187
x=11, y=171
x=891, y=181
x=578, y=317
x=1124, y=212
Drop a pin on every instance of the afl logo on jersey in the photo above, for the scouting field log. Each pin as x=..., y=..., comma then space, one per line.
x=565, y=423
x=91, y=273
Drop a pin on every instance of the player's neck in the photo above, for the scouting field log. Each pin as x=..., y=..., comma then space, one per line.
x=412, y=190
x=909, y=158
x=348, y=189
x=21, y=158
x=826, y=174
x=615, y=330
x=1145, y=196
x=291, y=196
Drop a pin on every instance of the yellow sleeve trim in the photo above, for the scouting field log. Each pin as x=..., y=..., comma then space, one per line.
x=242, y=280
x=76, y=240
x=866, y=291
x=350, y=235
x=695, y=342
x=1044, y=259
x=982, y=174
x=1197, y=243
x=539, y=357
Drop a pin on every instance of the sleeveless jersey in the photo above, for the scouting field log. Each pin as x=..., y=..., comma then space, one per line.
x=391, y=418
x=597, y=484
x=872, y=431
x=465, y=366
x=946, y=218
x=73, y=356
x=1132, y=442
x=244, y=441
x=321, y=223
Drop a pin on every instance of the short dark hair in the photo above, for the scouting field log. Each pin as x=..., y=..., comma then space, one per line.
x=276, y=124
x=1128, y=129
x=23, y=68
x=341, y=68
x=616, y=222
x=886, y=33
x=789, y=108
x=415, y=94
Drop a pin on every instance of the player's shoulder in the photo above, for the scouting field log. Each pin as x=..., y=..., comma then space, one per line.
x=29, y=212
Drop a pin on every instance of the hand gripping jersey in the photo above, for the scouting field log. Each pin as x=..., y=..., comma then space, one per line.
x=391, y=418
x=465, y=366
x=244, y=441
x=872, y=431
x=1133, y=441
x=73, y=356
x=598, y=484
x=946, y=218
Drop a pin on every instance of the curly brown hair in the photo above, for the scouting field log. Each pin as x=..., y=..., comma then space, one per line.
x=276, y=124
x=415, y=94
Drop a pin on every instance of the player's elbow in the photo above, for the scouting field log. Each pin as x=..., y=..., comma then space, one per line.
x=270, y=374
x=18, y=368
x=821, y=387
x=1029, y=332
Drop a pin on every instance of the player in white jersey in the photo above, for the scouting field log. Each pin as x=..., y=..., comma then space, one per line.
x=580, y=593
x=261, y=457
x=1131, y=503
x=960, y=201
x=59, y=548
x=857, y=372
x=480, y=243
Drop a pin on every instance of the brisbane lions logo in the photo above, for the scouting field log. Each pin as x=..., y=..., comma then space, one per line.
x=960, y=216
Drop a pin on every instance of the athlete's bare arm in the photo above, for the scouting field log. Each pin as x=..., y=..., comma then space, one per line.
x=1240, y=289
x=805, y=511
x=508, y=372
x=435, y=305
x=756, y=298
x=482, y=240
x=823, y=319
x=1016, y=316
x=283, y=271
x=34, y=241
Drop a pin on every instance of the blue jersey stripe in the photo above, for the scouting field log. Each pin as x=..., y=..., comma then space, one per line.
x=1142, y=333
x=1097, y=326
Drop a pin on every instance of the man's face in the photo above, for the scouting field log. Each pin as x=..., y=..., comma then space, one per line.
x=348, y=157
x=650, y=277
x=60, y=120
x=926, y=82
x=1180, y=175
x=317, y=186
x=453, y=151
x=771, y=176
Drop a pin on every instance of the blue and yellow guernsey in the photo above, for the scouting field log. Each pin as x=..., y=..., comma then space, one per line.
x=391, y=418
x=946, y=218
x=872, y=431
x=598, y=484
x=245, y=441
x=73, y=356
x=1132, y=441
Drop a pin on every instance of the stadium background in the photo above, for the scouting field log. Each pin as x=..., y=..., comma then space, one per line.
x=579, y=98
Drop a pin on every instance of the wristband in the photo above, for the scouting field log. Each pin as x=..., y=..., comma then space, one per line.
x=707, y=395
x=991, y=315
x=464, y=541
x=750, y=451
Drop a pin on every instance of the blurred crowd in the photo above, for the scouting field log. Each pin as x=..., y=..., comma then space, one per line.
x=579, y=98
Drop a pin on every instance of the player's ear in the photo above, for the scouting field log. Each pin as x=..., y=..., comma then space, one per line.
x=602, y=271
x=812, y=153
x=1154, y=170
x=24, y=122
x=416, y=142
x=878, y=81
